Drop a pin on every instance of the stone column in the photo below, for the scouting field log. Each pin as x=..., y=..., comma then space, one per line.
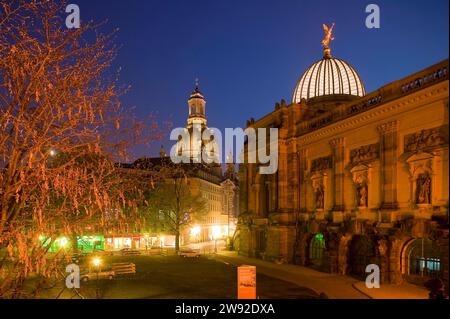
x=257, y=193
x=388, y=158
x=383, y=247
x=338, y=148
x=282, y=175
x=250, y=184
x=293, y=180
x=303, y=179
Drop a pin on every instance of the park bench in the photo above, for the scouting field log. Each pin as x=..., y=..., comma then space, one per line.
x=129, y=252
x=123, y=268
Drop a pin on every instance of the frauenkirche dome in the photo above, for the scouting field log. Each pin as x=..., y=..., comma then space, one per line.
x=328, y=76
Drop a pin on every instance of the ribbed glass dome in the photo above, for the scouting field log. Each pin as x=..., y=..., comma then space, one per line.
x=328, y=76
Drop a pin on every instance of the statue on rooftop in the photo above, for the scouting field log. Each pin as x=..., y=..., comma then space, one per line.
x=328, y=37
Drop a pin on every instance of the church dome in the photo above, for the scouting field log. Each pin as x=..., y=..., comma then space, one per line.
x=329, y=76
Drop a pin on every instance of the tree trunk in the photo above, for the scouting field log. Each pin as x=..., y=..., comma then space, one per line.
x=177, y=241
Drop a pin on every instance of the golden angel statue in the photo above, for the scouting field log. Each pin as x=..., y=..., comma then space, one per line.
x=328, y=37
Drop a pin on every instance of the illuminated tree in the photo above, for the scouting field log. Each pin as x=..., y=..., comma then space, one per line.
x=62, y=128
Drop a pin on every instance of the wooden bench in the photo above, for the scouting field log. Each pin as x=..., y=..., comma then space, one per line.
x=123, y=268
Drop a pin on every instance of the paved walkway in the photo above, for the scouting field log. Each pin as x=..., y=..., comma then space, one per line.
x=334, y=286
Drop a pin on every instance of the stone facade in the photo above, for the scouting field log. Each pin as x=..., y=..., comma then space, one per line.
x=360, y=180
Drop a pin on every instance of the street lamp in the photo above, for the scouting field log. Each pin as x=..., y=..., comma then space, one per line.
x=216, y=234
x=63, y=242
x=96, y=262
x=195, y=232
x=52, y=152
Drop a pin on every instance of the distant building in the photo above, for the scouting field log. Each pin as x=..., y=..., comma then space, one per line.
x=220, y=190
x=362, y=179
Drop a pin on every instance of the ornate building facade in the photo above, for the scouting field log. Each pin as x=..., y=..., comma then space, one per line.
x=362, y=178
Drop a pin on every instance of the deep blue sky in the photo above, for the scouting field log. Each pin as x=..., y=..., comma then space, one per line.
x=249, y=54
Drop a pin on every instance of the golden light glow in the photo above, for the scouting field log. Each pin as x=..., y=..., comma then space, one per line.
x=63, y=241
x=195, y=230
x=216, y=232
x=96, y=261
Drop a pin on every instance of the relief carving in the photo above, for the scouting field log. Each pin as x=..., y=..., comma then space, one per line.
x=383, y=247
x=322, y=163
x=426, y=139
x=364, y=154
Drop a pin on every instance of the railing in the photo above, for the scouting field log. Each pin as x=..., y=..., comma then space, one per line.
x=427, y=77
x=426, y=80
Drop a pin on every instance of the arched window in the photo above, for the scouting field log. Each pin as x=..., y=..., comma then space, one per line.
x=316, y=249
x=422, y=260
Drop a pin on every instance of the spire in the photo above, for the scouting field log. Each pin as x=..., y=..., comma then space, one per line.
x=162, y=152
x=196, y=93
x=196, y=85
x=196, y=103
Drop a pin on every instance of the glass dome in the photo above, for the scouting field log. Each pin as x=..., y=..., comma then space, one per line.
x=328, y=76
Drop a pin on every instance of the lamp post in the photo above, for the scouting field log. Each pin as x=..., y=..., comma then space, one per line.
x=228, y=230
x=96, y=261
x=216, y=234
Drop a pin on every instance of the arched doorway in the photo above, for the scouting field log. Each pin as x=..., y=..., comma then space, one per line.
x=362, y=252
x=316, y=250
x=421, y=260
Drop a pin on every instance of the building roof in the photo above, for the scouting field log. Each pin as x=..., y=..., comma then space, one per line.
x=328, y=76
x=199, y=170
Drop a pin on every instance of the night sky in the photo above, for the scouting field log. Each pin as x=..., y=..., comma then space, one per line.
x=249, y=54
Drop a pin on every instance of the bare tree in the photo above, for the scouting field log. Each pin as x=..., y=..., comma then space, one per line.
x=62, y=127
x=173, y=204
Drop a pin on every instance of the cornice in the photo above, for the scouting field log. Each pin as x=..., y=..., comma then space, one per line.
x=375, y=114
